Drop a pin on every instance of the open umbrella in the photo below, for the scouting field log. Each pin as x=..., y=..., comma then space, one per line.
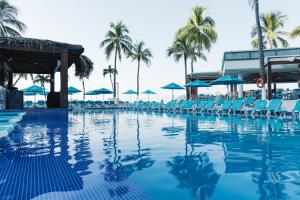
x=130, y=92
x=72, y=90
x=102, y=91
x=91, y=93
x=148, y=92
x=33, y=91
x=172, y=86
x=227, y=80
x=197, y=83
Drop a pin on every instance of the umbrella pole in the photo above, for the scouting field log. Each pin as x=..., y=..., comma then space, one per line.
x=103, y=97
x=130, y=98
x=172, y=95
x=148, y=97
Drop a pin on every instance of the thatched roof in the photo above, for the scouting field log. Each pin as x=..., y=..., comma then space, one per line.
x=28, y=55
x=32, y=43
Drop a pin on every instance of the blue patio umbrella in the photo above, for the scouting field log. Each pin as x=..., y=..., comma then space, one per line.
x=197, y=83
x=148, y=92
x=91, y=93
x=103, y=91
x=172, y=86
x=33, y=91
x=130, y=92
x=72, y=90
x=227, y=80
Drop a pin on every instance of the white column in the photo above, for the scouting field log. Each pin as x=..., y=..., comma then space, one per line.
x=240, y=87
x=264, y=93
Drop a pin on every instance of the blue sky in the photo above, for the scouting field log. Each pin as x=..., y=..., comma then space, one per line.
x=155, y=22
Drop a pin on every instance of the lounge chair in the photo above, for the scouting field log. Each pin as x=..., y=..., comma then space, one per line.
x=169, y=106
x=274, y=107
x=295, y=112
x=209, y=107
x=249, y=101
x=28, y=104
x=188, y=107
x=41, y=104
x=225, y=107
x=259, y=106
x=199, y=105
x=237, y=106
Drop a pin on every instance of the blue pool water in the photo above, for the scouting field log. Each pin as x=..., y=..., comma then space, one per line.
x=126, y=155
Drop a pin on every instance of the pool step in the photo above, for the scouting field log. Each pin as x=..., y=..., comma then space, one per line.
x=8, y=121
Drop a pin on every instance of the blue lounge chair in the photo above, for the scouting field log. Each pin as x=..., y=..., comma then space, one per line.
x=209, y=107
x=225, y=107
x=249, y=101
x=199, y=105
x=41, y=104
x=295, y=112
x=188, y=107
x=274, y=107
x=259, y=106
x=28, y=104
x=169, y=106
x=237, y=106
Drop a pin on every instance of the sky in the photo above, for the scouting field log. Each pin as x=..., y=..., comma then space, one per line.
x=154, y=22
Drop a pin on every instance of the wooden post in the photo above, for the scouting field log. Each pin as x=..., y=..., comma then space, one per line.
x=10, y=81
x=269, y=81
x=64, y=79
x=52, y=83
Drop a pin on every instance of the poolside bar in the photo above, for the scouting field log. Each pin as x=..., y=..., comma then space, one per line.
x=35, y=56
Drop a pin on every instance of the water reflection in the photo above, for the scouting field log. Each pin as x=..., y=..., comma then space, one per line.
x=83, y=153
x=118, y=167
x=251, y=145
x=34, y=159
x=194, y=170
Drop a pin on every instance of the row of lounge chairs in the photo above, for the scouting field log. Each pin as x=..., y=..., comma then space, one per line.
x=91, y=104
x=72, y=104
x=231, y=107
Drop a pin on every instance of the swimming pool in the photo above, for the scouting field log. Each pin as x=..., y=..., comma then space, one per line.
x=109, y=154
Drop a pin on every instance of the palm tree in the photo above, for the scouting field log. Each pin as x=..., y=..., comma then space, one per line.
x=111, y=71
x=140, y=53
x=200, y=28
x=84, y=70
x=272, y=23
x=117, y=40
x=296, y=32
x=42, y=79
x=255, y=5
x=22, y=75
x=9, y=24
x=195, y=54
x=181, y=49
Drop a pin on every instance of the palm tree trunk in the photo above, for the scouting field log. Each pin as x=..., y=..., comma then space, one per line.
x=111, y=81
x=138, y=80
x=83, y=87
x=115, y=75
x=17, y=80
x=192, y=66
x=260, y=45
x=185, y=73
